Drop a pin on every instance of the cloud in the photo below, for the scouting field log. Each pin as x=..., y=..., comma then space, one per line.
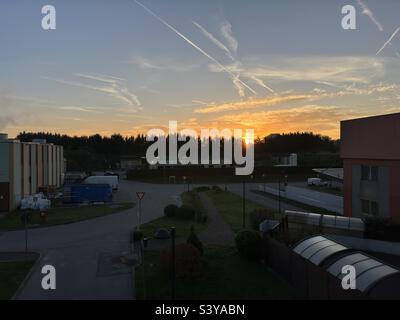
x=338, y=70
x=161, y=64
x=99, y=77
x=112, y=86
x=6, y=121
x=261, y=83
x=313, y=95
x=369, y=14
x=80, y=109
x=236, y=66
x=235, y=78
x=389, y=41
x=316, y=118
x=226, y=31
x=364, y=91
x=252, y=103
x=214, y=40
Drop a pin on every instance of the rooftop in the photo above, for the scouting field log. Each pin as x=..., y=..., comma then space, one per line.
x=371, y=138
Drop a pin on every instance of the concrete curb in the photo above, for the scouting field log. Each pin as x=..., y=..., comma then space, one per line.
x=28, y=276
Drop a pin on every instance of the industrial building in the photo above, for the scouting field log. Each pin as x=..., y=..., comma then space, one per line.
x=371, y=158
x=26, y=167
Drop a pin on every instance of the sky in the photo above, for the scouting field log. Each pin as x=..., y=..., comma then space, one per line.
x=126, y=66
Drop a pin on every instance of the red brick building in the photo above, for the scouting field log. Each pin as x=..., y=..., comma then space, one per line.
x=370, y=149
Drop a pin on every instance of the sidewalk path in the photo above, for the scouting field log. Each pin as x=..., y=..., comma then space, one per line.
x=218, y=231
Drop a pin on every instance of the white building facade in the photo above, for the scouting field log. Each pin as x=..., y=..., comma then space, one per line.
x=26, y=167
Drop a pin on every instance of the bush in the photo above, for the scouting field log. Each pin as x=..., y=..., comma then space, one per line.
x=216, y=188
x=249, y=244
x=381, y=229
x=170, y=210
x=187, y=261
x=137, y=235
x=185, y=212
x=258, y=216
x=195, y=241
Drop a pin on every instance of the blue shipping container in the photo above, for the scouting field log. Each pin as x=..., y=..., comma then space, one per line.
x=91, y=193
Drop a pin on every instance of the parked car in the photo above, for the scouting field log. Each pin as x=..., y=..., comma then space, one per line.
x=111, y=173
x=316, y=182
x=112, y=181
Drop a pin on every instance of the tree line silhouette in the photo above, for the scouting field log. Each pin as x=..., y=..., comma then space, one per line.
x=96, y=152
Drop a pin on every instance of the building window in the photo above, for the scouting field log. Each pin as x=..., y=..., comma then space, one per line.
x=369, y=173
x=370, y=207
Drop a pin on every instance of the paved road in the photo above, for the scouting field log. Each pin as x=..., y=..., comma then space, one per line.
x=82, y=252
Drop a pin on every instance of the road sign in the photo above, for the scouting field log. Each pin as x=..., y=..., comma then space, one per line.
x=140, y=195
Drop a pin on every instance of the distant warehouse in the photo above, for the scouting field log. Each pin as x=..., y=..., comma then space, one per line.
x=26, y=167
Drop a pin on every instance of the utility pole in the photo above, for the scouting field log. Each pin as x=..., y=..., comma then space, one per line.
x=263, y=176
x=140, y=196
x=279, y=194
x=26, y=230
x=244, y=204
x=173, y=233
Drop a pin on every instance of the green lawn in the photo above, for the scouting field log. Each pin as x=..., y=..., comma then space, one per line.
x=230, y=206
x=225, y=276
x=182, y=227
x=56, y=216
x=11, y=276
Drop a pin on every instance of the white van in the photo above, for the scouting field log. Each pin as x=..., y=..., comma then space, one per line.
x=110, y=180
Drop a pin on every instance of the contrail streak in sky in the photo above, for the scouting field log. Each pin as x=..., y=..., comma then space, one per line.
x=370, y=14
x=389, y=41
x=214, y=40
x=234, y=77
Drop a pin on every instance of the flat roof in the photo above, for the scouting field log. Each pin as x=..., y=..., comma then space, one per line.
x=336, y=173
x=375, y=138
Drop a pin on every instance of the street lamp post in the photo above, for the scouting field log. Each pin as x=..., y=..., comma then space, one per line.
x=263, y=177
x=279, y=194
x=26, y=231
x=244, y=204
x=173, y=233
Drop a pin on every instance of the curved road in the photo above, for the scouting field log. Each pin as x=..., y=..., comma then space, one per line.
x=81, y=251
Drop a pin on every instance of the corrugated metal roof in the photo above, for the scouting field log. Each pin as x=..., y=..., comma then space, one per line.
x=368, y=270
x=317, y=249
x=339, y=222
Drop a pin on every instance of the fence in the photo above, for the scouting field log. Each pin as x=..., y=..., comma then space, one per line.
x=310, y=281
x=310, y=197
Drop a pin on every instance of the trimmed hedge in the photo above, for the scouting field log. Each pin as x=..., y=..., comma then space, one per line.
x=185, y=213
x=137, y=235
x=249, y=244
x=170, y=210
